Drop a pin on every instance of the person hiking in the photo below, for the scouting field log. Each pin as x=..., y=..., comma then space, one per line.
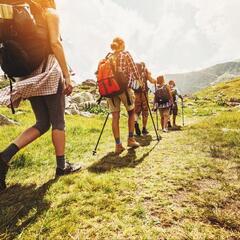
x=174, y=108
x=45, y=88
x=125, y=64
x=141, y=98
x=163, y=101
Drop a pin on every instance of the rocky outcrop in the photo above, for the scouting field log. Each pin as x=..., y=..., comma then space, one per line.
x=6, y=121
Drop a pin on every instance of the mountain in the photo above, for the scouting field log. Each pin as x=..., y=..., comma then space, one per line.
x=194, y=81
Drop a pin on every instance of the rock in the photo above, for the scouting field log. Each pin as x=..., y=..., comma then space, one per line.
x=72, y=112
x=82, y=97
x=86, y=114
x=89, y=83
x=6, y=121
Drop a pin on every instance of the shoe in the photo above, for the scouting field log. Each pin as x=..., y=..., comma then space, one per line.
x=165, y=130
x=119, y=149
x=145, y=131
x=137, y=129
x=69, y=169
x=3, y=173
x=132, y=143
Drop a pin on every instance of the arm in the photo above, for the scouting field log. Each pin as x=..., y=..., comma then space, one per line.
x=151, y=79
x=57, y=48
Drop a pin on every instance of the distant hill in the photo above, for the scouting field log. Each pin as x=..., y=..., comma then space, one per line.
x=194, y=81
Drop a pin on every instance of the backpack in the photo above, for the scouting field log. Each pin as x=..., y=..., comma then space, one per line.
x=24, y=40
x=162, y=95
x=143, y=75
x=111, y=81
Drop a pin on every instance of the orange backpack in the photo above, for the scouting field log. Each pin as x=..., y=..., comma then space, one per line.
x=111, y=82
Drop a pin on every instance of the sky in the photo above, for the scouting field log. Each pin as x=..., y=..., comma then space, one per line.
x=171, y=36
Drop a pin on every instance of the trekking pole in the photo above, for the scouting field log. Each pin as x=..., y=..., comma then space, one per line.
x=158, y=137
x=183, y=120
x=104, y=125
x=156, y=109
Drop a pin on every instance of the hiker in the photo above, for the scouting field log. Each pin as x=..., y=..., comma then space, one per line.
x=123, y=63
x=45, y=88
x=141, y=99
x=163, y=101
x=174, y=108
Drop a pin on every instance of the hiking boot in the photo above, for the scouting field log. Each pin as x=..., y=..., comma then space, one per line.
x=69, y=169
x=119, y=149
x=145, y=131
x=132, y=143
x=3, y=173
x=137, y=129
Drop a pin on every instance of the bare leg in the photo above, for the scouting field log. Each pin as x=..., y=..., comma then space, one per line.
x=115, y=125
x=131, y=120
x=145, y=120
x=58, y=139
x=162, y=118
x=166, y=117
x=27, y=137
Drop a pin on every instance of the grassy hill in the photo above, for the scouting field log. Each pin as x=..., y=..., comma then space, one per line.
x=198, y=80
x=185, y=187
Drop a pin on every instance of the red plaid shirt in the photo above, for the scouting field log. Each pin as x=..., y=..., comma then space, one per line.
x=126, y=64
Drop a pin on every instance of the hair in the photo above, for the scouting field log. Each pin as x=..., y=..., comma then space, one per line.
x=160, y=80
x=172, y=82
x=118, y=44
x=45, y=3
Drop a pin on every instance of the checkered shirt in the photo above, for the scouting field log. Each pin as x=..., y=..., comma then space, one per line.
x=126, y=64
x=39, y=83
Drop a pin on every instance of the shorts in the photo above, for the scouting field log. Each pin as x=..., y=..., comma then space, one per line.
x=174, y=110
x=114, y=103
x=141, y=104
x=49, y=111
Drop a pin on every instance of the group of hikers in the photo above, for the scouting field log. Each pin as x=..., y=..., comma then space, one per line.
x=32, y=53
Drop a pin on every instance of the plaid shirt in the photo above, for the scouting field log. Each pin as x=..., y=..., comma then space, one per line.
x=126, y=64
x=39, y=83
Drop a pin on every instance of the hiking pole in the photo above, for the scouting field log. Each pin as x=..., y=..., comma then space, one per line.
x=104, y=125
x=158, y=138
x=156, y=110
x=183, y=120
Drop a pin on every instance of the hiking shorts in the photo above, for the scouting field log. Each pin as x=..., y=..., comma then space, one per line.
x=114, y=103
x=141, y=104
x=174, y=110
x=49, y=111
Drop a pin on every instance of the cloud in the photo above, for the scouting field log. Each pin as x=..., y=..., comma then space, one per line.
x=169, y=35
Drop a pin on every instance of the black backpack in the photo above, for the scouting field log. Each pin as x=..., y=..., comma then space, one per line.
x=24, y=39
x=162, y=95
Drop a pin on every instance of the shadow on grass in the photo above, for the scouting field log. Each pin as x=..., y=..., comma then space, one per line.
x=112, y=161
x=20, y=206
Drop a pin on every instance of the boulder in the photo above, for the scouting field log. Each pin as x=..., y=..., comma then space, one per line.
x=6, y=121
x=82, y=97
x=86, y=114
x=89, y=83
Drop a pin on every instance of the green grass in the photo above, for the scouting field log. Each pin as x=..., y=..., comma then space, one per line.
x=185, y=187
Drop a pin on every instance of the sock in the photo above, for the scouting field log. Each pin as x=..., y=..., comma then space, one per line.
x=9, y=152
x=61, y=162
x=118, y=141
x=131, y=135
